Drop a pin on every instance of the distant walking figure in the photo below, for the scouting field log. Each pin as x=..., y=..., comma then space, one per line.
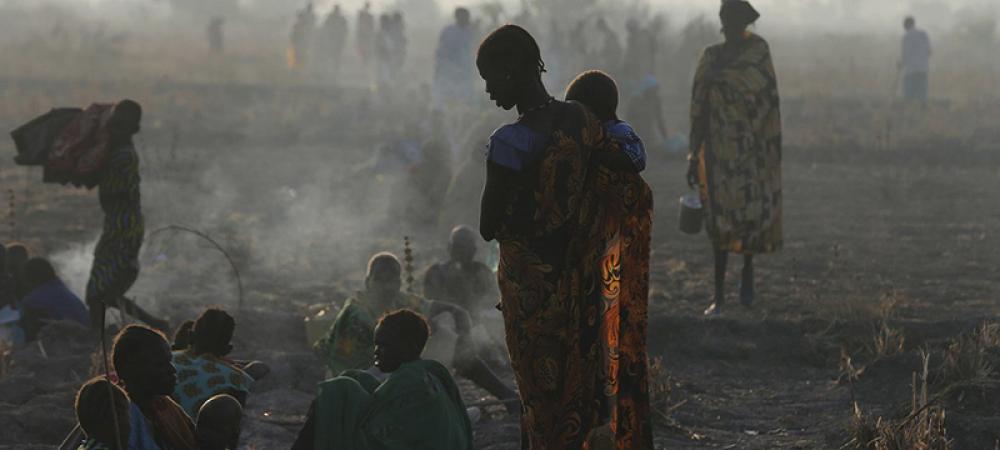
x=735, y=155
x=915, y=62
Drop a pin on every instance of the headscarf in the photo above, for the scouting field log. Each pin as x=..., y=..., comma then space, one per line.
x=738, y=12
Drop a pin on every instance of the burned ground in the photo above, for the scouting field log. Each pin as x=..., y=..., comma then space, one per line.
x=890, y=249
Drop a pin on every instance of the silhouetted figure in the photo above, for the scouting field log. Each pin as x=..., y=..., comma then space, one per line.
x=203, y=367
x=741, y=195
x=390, y=50
x=216, y=36
x=461, y=279
x=335, y=31
x=645, y=109
x=418, y=406
x=610, y=50
x=364, y=36
x=142, y=360
x=915, y=62
x=103, y=412
x=397, y=35
x=301, y=37
x=48, y=299
x=599, y=93
x=454, y=68
x=17, y=255
x=116, y=258
x=219, y=422
x=349, y=343
x=568, y=240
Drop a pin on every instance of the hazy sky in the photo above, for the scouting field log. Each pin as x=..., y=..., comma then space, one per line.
x=829, y=15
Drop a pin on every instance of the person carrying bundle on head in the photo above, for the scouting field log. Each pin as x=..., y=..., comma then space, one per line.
x=116, y=257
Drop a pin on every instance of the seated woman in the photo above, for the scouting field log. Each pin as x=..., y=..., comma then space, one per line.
x=102, y=409
x=418, y=406
x=142, y=360
x=47, y=298
x=203, y=370
x=349, y=343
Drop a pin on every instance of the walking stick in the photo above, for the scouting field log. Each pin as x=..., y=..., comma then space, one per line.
x=408, y=252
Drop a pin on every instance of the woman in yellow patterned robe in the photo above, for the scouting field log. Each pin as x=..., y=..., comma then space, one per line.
x=735, y=155
x=574, y=260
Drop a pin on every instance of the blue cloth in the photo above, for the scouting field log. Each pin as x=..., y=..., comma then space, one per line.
x=201, y=377
x=56, y=302
x=141, y=436
x=10, y=326
x=515, y=146
x=626, y=138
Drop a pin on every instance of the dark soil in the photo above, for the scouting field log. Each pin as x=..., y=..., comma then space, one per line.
x=913, y=223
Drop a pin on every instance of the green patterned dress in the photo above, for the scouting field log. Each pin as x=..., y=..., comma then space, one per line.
x=736, y=136
x=116, y=258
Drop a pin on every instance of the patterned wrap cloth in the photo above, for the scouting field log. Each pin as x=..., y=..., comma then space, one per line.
x=116, y=258
x=736, y=135
x=203, y=376
x=574, y=279
x=350, y=343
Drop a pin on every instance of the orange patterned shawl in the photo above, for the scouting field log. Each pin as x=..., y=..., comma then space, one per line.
x=574, y=277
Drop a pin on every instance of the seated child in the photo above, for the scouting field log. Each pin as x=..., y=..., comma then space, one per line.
x=599, y=93
x=203, y=370
x=219, y=423
x=98, y=404
x=417, y=406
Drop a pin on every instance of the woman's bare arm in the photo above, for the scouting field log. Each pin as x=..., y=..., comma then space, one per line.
x=498, y=182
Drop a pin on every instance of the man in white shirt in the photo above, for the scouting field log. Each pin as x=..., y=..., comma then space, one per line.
x=915, y=63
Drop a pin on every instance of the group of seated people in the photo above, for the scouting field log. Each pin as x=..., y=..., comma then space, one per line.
x=381, y=392
x=31, y=294
x=159, y=396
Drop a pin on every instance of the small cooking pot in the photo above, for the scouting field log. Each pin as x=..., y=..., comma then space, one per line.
x=692, y=213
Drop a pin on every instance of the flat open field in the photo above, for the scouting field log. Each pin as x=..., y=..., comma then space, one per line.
x=891, y=247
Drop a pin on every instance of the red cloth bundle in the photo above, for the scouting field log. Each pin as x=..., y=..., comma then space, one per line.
x=78, y=154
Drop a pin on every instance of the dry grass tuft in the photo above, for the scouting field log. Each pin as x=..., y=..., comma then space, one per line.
x=923, y=428
x=886, y=341
x=968, y=356
x=663, y=402
x=661, y=394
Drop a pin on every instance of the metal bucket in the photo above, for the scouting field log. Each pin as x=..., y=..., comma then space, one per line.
x=692, y=215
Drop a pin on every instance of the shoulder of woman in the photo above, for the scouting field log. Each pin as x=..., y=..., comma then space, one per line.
x=509, y=145
x=756, y=40
x=712, y=50
x=513, y=135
